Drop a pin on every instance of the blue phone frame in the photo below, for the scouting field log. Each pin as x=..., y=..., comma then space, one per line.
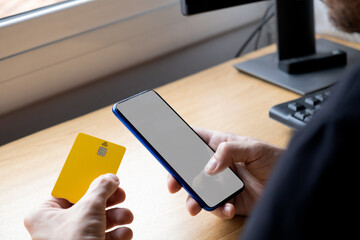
x=162, y=161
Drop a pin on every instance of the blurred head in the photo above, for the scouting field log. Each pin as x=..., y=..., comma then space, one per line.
x=345, y=14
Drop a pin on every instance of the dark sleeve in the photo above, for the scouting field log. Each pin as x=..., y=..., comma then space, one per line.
x=313, y=191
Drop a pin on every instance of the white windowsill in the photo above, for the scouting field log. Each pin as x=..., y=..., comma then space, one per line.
x=37, y=70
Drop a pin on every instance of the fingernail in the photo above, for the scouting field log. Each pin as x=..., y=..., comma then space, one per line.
x=113, y=176
x=227, y=211
x=211, y=165
x=117, y=180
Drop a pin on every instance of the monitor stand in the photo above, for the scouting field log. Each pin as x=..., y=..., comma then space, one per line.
x=266, y=68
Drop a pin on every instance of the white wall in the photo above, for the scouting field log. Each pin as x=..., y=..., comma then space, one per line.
x=39, y=71
x=106, y=91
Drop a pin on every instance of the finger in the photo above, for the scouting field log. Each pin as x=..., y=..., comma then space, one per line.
x=192, y=206
x=226, y=211
x=211, y=137
x=172, y=184
x=214, y=138
x=117, y=197
x=226, y=154
x=118, y=216
x=122, y=233
x=205, y=134
x=102, y=188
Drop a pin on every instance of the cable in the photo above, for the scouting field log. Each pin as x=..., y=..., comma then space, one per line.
x=256, y=45
x=260, y=25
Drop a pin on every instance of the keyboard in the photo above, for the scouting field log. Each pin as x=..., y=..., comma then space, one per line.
x=297, y=113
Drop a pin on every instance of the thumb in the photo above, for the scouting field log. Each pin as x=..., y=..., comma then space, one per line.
x=226, y=154
x=102, y=188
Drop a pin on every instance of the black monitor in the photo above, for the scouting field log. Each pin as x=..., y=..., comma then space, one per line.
x=190, y=7
x=302, y=63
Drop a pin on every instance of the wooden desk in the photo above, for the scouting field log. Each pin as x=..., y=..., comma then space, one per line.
x=219, y=98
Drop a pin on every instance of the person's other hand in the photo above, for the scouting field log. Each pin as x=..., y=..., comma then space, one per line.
x=251, y=159
x=89, y=218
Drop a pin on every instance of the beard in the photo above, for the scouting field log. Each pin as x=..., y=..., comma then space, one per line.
x=345, y=14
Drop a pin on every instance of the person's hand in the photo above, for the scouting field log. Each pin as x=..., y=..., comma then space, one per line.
x=251, y=159
x=89, y=218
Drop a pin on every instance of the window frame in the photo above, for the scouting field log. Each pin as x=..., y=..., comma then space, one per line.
x=52, y=50
x=60, y=21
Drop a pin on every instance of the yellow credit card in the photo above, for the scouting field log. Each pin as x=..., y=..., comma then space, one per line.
x=89, y=158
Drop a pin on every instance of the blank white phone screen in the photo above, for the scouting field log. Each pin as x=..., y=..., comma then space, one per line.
x=181, y=148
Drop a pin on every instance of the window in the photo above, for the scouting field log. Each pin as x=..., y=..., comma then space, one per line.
x=56, y=48
x=15, y=7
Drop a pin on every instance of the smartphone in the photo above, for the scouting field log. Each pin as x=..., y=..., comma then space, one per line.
x=177, y=147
